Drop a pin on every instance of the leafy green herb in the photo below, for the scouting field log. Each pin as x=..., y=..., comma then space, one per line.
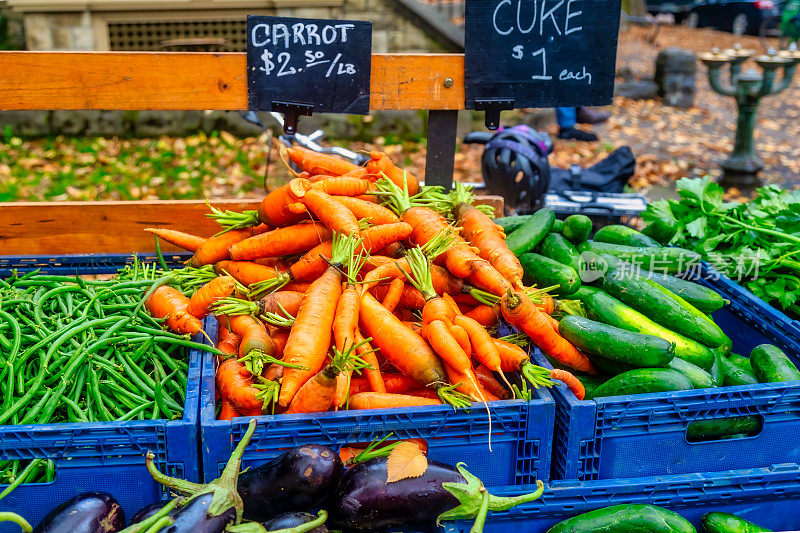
x=757, y=243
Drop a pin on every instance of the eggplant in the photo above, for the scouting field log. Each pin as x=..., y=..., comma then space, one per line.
x=294, y=519
x=90, y=512
x=194, y=517
x=364, y=500
x=302, y=478
x=147, y=511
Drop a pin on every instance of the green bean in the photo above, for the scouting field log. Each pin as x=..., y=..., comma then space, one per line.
x=79, y=415
x=136, y=411
x=22, y=478
x=30, y=416
x=120, y=397
x=94, y=391
x=133, y=375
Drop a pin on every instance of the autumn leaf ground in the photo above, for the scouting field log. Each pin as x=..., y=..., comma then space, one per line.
x=669, y=144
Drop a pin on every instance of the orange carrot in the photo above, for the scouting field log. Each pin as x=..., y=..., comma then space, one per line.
x=359, y=384
x=316, y=394
x=275, y=262
x=378, y=237
x=483, y=347
x=297, y=286
x=399, y=383
x=227, y=411
x=274, y=208
x=387, y=271
x=481, y=231
x=374, y=213
x=344, y=328
x=468, y=383
x=279, y=337
x=410, y=298
x=209, y=293
x=380, y=163
x=280, y=301
x=299, y=238
x=373, y=369
x=235, y=383
x=386, y=400
x=520, y=312
x=179, y=238
x=309, y=160
x=393, y=294
x=394, y=250
x=215, y=249
x=486, y=315
x=335, y=215
x=342, y=186
x=487, y=381
x=570, y=381
x=461, y=336
x=552, y=321
x=167, y=302
x=247, y=272
x=252, y=333
x=547, y=304
x=406, y=350
x=310, y=336
x=312, y=264
x=422, y=393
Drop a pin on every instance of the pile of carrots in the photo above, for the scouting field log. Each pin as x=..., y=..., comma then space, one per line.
x=354, y=287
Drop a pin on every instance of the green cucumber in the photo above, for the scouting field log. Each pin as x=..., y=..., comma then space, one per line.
x=643, y=380
x=558, y=226
x=716, y=368
x=668, y=260
x=528, y=235
x=510, y=224
x=703, y=298
x=663, y=306
x=771, y=365
x=661, y=230
x=742, y=362
x=700, y=378
x=717, y=522
x=720, y=428
x=610, y=367
x=733, y=375
x=607, y=309
x=596, y=338
x=625, y=518
x=545, y=272
x=589, y=382
x=557, y=248
x=618, y=234
x=577, y=228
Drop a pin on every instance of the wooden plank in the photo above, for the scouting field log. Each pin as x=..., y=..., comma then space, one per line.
x=59, y=228
x=185, y=81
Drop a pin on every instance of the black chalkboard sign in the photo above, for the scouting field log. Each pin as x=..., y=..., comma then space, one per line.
x=321, y=64
x=540, y=53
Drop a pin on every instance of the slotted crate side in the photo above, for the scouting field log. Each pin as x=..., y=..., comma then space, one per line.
x=645, y=434
x=768, y=497
x=81, y=263
x=521, y=433
x=101, y=456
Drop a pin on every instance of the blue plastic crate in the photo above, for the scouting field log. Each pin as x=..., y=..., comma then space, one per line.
x=81, y=263
x=100, y=456
x=769, y=497
x=521, y=435
x=645, y=434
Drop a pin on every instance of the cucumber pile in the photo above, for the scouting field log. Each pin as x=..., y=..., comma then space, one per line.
x=630, y=518
x=643, y=329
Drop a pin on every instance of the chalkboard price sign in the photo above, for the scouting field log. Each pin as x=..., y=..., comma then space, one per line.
x=540, y=53
x=321, y=65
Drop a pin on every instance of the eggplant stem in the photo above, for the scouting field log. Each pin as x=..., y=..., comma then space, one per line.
x=503, y=503
x=308, y=526
x=180, y=485
x=162, y=522
x=231, y=473
x=480, y=520
x=17, y=519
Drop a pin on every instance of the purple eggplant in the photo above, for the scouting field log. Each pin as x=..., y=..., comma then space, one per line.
x=294, y=519
x=147, y=511
x=194, y=517
x=90, y=512
x=364, y=500
x=303, y=478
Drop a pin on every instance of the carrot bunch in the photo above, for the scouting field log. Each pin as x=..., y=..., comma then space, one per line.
x=349, y=289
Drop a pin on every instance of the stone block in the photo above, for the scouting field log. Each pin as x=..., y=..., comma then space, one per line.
x=38, y=34
x=108, y=124
x=637, y=90
x=62, y=38
x=25, y=123
x=235, y=124
x=70, y=123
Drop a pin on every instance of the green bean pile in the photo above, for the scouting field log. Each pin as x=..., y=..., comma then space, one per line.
x=74, y=350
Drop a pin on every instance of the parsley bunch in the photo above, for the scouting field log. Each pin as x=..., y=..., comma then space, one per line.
x=756, y=243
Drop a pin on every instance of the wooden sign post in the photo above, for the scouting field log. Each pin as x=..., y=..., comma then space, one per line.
x=539, y=53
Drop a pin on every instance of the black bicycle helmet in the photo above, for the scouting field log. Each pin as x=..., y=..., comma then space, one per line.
x=515, y=165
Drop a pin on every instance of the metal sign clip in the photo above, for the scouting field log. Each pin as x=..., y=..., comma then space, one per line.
x=492, y=107
x=291, y=112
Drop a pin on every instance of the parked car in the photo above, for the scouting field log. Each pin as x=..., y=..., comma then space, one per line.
x=736, y=16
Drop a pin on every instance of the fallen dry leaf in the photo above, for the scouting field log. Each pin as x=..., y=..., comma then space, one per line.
x=405, y=461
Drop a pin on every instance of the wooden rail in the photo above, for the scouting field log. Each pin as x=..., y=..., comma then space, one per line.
x=59, y=228
x=184, y=81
